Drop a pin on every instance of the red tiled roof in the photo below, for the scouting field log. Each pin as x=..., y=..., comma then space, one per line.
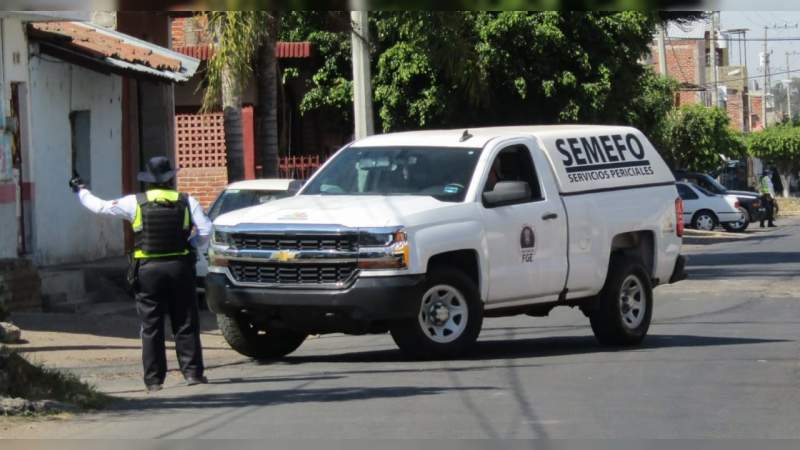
x=90, y=41
x=202, y=52
x=283, y=50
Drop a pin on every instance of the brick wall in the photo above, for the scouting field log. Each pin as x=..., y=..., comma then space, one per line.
x=688, y=98
x=200, y=154
x=204, y=184
x=181, y=25
x=735, y=107
x=685, y=61
x=755, y=112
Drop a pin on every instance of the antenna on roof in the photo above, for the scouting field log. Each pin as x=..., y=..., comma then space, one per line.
x=466, y=136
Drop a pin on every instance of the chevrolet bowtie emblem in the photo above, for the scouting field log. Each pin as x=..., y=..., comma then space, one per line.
x=284, y=256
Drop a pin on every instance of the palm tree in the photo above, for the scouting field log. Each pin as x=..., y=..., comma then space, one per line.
x=237, y=36
x=267, y=92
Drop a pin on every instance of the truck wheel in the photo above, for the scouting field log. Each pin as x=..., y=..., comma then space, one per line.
x=625, y=305
x=704, y=220
x=249, y=340
x=741, y=224
x=449, y=319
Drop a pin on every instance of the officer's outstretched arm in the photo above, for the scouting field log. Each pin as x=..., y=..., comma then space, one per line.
x=124, y=208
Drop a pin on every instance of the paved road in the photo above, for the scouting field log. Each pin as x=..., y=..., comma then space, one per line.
x=721, y=361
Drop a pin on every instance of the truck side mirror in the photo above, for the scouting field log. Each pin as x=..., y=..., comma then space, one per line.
x=294, y=187
x=507, y=193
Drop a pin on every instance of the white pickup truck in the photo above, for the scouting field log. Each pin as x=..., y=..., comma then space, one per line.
x=423, y=234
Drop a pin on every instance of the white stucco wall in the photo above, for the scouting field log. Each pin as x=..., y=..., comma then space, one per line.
x=15, y=54
x=64, y=230
x=12, y=42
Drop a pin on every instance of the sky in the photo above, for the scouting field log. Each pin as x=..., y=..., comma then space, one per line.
x=755, y=21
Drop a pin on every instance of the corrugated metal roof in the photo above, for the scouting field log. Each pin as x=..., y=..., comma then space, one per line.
x=283, y=50
x=116, y=50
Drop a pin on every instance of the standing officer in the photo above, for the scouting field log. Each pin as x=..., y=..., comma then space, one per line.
x=162, y=267
x=767, y=198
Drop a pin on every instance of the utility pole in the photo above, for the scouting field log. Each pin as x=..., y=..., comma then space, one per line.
x=788, y=88
x=789, y=83
x=766, y=82
x=713, y=53
x=662, y=50
x=362, y=77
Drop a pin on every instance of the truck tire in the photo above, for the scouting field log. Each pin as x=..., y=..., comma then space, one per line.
x=741, y=225
x=449, y=319
x=705, y=220
x=625, y=305
x=250, y=341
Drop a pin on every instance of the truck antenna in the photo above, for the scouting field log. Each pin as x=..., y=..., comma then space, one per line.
x=466, y=136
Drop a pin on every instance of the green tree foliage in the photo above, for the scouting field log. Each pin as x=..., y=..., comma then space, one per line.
x=777, y=146
x=237, y=35
x=695, y=137
x=459, y=5
x=476, y=68
x=648, y=110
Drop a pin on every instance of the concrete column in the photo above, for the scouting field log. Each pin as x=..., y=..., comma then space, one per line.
x=362, y=78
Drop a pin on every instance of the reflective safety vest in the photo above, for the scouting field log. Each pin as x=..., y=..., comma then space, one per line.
x=162, y=225
x=765, y=185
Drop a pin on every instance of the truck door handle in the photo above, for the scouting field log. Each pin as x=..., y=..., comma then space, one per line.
x=550, y=216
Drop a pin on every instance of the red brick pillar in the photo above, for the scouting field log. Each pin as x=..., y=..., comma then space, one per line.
x=249, y=143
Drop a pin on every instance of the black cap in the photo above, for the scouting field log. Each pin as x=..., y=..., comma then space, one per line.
x=159, y=170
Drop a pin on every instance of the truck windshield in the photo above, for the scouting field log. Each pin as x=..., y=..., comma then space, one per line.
x=440, y=172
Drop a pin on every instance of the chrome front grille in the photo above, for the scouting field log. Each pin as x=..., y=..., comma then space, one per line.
x=342, y=243
x=291, y=274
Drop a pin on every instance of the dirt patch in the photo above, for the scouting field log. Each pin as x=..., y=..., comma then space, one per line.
x=28, y=388
x=789, y=206
x=106, y=351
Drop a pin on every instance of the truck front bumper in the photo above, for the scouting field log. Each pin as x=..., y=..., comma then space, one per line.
x=367, y=300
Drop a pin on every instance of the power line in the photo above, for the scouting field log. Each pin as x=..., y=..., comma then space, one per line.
x=686, y=38
x=728, y=80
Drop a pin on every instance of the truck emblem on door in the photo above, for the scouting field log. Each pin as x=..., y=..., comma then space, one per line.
x=527, y=243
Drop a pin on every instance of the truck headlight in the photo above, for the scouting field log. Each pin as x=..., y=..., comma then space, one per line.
x=221, y=238
x=384, y=250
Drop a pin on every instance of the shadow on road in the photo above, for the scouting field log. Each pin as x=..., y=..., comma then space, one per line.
x=723, y=273
x=740, y=259
x=537, y=347
x=281, y=396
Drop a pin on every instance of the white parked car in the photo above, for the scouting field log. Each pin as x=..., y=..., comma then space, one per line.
x=425, y=233
x=704, y=210
x=239, y=195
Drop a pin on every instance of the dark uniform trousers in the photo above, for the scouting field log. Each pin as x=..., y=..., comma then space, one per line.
x=769, y=209
x=167, y=287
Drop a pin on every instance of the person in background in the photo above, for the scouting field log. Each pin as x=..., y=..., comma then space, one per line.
x=776, y=181
x=162, y=267
x=767, y=191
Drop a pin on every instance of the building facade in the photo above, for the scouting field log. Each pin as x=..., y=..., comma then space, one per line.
x=688, y=61
x=68, y=111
